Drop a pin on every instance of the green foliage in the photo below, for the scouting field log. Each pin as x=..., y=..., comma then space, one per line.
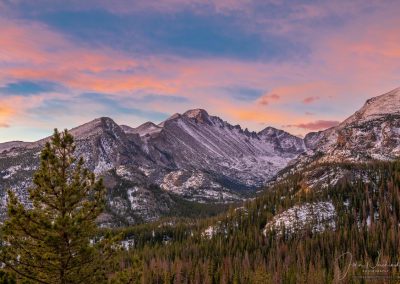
x=128, y=271
x=191, y=209
x=55, y=240
x=7, y=278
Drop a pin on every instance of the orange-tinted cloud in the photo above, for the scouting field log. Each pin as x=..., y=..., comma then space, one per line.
x=6, y=113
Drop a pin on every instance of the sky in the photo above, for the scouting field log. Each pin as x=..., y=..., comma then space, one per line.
x=300, y=66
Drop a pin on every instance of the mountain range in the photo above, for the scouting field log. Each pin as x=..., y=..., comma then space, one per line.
x=195, y=158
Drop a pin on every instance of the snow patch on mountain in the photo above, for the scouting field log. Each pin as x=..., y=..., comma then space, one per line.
x=196, y=186
x=318, y=216
x=8, y=173
x=371, y=133
x=209, y=232
x=102, y=166
x=383, y=105
x=132, y=198
x=128, y=244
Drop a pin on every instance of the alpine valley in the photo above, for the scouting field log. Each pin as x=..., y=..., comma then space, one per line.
x=195, y=163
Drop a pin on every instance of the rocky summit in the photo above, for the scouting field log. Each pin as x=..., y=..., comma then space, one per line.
x=373, y=132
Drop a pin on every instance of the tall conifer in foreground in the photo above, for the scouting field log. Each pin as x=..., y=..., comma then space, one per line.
x=54, y=241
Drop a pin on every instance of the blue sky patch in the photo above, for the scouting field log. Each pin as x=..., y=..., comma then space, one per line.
x=29, y=88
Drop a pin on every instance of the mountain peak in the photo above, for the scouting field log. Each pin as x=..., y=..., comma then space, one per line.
x=200, y=115
x=146, y=128
x=195, y=112
x=386, y=104
x=100, y=121
x=269, y=130
x=95, y=126
x=172, y=117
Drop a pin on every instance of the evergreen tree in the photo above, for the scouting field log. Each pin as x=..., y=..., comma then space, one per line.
x=55, y=238
x=6, y=278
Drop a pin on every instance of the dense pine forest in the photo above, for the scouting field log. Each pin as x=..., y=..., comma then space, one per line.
x=56, y=240
x=366, y=234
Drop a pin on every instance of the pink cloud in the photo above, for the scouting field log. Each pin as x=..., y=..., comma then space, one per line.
x=32, y=51
x=24, y=43
x=310, y=100
x=316, y=125
x=291, y=92
x=267, y=99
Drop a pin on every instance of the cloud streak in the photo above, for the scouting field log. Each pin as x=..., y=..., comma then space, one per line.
x=310, y=100
x=315, y=125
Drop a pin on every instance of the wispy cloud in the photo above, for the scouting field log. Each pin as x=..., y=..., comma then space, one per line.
x=244, y=93
x=310, y=100
x=315, y=125
x=115, y=107
x=267, y=99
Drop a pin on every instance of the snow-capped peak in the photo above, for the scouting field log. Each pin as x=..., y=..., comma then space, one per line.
x=373, y=132
x=376, y=107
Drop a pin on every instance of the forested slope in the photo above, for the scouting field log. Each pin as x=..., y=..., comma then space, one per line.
x=280, y=237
